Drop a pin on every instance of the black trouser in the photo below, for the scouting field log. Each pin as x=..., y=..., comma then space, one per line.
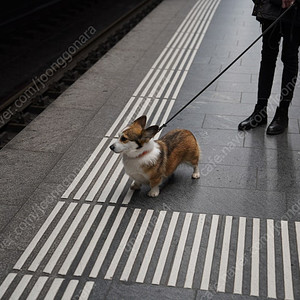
x=289, y=57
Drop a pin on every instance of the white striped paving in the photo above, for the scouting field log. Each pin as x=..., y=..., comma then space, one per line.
x=180, y=83
x=152, y=243
x=38, y=236
x=165, y=249
x=238, y=279
x=254, y=290
x=99, y=182
x=68, y=294
x=172, y=84
x=180, y=249
x=136, y=246
x=131, y=114
x=37, y=288
x=127, y=197
x=297, y=226
x=271, y=266
x=86, y=290
x=6, y=283
x=156, y=251
x=39, y=257
x=286, y=255
x=63, y=243
x=224, y=255
x=108, y=241
x=86, y=166
x=194, y=254
x=79, y=241
x=54, y=288
x=122, y=114
x=109, y=186
x=20, y=287
x=35, y=291
x=92, y=174
x=149, y=84
x=161, y=78
x=118, y=191
x=209, y=253
x=114, y=263
x=89, y=250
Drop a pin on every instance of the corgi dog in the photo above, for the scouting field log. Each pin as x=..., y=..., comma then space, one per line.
x=147, y=161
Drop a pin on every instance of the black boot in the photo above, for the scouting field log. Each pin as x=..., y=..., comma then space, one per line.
x=279, y=122
x=258, y=117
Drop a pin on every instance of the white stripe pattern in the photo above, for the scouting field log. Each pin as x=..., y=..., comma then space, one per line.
x=224, y=255
x=152, y=248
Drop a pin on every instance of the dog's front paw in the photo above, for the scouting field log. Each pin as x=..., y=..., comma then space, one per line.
x=154, y=192
x=135, y=186
x=196, y=175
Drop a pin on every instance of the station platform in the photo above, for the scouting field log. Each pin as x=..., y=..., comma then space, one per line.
x=71, y=228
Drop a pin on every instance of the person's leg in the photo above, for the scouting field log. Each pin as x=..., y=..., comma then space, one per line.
x=269, y=53
x=289, y=57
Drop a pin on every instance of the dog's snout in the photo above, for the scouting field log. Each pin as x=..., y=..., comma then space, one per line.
x=112, y=147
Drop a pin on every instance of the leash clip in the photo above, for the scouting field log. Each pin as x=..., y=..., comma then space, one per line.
x=162, y=126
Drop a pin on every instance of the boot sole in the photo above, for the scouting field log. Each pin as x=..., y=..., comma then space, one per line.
x=242, y=128
x=275, y=132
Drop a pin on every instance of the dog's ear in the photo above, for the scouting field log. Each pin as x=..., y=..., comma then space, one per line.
x=150, y=132
x=141, y=121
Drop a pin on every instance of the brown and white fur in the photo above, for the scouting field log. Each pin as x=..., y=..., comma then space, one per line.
x=147, y=161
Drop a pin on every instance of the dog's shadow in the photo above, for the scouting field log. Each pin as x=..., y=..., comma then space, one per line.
x=177, y=183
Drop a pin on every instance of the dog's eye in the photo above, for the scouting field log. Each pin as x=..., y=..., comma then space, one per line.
x=123, y=138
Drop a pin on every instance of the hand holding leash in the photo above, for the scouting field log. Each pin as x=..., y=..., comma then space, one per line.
x=287, y=3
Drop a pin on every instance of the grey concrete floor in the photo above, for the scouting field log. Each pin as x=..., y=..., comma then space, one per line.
x=72, y=229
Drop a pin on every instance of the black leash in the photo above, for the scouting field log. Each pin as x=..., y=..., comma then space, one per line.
x=229, y=66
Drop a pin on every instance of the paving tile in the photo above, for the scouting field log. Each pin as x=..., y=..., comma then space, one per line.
x=55, y=119
x=212, y=295
x=255, y=157
x=62, y=171
x=235, y=78
x=258, y=139
x=80, y=151
x=284, y=180
x=224, y=97
x=100, y=289
x=181, y=193
x=186, y=120
x=221, y=122
x=7, y=212
x=131, y=291
x=252, y=69
x=36, y=141
x=95, y=80
x=231, y=122
x=75, y=98
x=30, y=218
x=195, y=85
x=120, y=61
x=21, y=172
x=228, y=176
x=7, y=260
x=229, y=138
x=235, y=86
x=293, y=206
x=221, y=108
x=52, y=131
x=249, y=97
